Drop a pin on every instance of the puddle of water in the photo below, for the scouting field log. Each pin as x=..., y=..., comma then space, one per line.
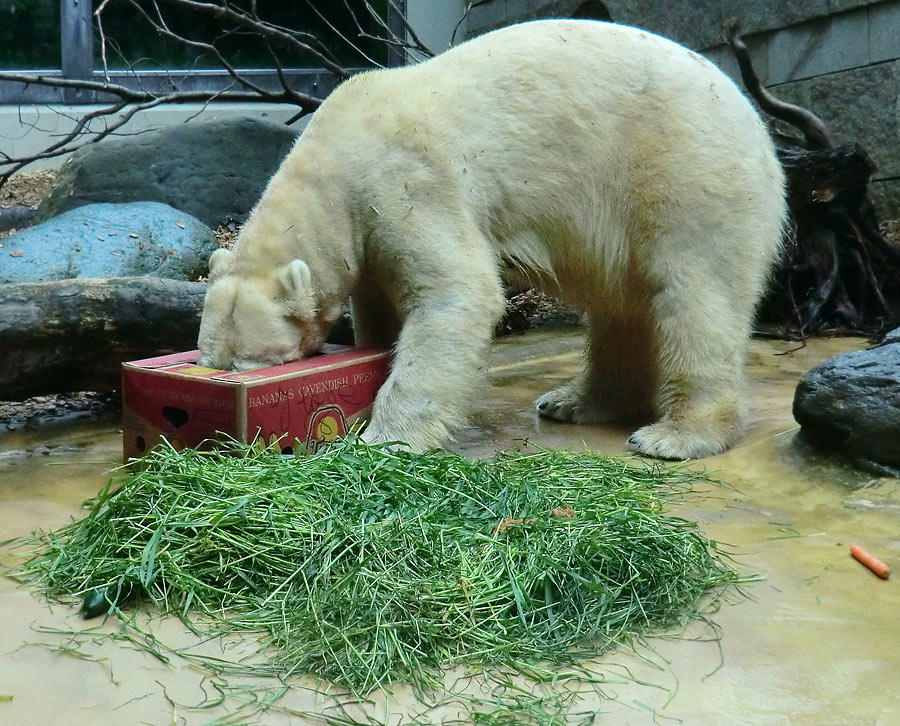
x=817, y=642
x=43, y=481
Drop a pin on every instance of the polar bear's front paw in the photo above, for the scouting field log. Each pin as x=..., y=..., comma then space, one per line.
x=562, y=404
x=416, y=437
x=667, y=440
x=374, y=435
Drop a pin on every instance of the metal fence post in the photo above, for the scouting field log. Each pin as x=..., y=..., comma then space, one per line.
x=395, y=15
x=76, y=39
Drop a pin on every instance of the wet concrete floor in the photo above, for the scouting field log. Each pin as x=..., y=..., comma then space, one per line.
x=815, y=642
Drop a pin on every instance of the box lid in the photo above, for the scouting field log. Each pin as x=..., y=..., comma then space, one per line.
x=183, y=365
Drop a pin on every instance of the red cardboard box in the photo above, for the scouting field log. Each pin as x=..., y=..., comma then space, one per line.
x=310, y=400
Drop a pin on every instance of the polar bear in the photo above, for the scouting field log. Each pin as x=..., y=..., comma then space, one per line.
x=606, y=165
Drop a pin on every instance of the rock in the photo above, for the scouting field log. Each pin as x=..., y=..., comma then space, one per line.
x=850, y=404
x=892, y=337
x=214, y=170
x=109, y=240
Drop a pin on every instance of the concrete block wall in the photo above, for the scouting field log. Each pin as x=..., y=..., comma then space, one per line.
x=839, y=58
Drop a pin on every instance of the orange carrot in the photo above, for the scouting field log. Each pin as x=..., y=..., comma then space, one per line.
x=873, y=563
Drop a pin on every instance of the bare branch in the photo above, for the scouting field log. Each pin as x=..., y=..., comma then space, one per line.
x=135, y=102
x=123, y=94
x=262, y=28
x=163, y=29
x=391, y=38
x=128, y=94
x=86, y=85
x=61, y=148
x=814, y=130
x=341, y=36
x=97, y=14
x=417, y=45
x=465, y=15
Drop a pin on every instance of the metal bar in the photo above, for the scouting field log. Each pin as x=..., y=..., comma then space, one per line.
x=312, y=81
x=77, y=37
x=76, y=45
x=397, y=56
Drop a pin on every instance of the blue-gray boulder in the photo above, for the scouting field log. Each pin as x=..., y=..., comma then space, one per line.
x=850, y=405
x=109, y=240
x=892, y=337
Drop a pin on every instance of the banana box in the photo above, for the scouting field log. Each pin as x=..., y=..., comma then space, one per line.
x=310, y=401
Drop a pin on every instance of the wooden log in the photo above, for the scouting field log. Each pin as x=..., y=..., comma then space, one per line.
x=16, y=218
x=72, y=335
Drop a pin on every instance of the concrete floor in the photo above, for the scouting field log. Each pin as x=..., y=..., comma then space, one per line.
x=816, y=642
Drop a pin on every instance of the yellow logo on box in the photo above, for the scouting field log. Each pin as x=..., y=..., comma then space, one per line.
x=327, y=430
x=197, y=371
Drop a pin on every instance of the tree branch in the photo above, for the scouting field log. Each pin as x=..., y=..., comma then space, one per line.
x=126, y=98
x=263, y=29
x=391, y=38
x=839, y=272
x=813, y=128
x=458, y=25
x=135, y=102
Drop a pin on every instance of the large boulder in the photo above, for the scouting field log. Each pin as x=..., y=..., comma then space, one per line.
x=109, y=240
x=850, y=404
x=214, y=170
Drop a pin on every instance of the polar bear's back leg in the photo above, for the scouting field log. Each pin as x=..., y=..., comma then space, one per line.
x=620, y=375
x=703, y=308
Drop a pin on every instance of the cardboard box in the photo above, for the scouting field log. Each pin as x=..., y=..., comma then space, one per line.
x=311, y=400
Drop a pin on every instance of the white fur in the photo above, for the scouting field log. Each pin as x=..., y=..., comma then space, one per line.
x=607, y=165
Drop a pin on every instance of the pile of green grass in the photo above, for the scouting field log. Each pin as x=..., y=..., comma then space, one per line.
x=367, y=565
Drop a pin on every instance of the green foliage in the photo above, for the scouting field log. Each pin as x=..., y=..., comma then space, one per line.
x=29, y=34
x=367, y=565
x=323, y=25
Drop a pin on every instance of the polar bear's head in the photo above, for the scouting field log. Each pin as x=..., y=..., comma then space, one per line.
x=254, y=318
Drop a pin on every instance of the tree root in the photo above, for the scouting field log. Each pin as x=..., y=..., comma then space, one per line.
x=839, y=273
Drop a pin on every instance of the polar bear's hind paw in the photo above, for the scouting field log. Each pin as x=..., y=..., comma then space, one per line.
x=666, y=440
x=561, y=404
x=569, y=404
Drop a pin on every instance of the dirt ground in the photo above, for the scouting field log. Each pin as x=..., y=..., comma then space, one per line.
x=26, y=188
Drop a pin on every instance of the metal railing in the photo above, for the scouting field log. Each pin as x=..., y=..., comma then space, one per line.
x=77, y=63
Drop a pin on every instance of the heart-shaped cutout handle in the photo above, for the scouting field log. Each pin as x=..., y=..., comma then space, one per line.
x=177, y=417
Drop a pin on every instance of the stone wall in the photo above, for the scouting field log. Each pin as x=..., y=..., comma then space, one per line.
x=839, y=58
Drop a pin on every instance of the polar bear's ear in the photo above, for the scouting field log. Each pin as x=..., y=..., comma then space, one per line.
x=219, y=262
x=296, y=282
